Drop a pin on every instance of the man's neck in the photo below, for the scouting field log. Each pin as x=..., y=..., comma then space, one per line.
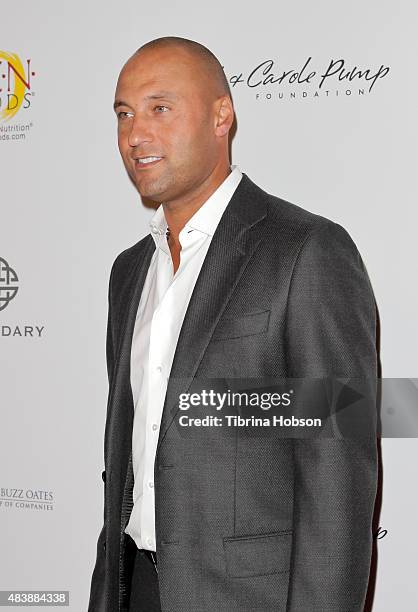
x=177, y=215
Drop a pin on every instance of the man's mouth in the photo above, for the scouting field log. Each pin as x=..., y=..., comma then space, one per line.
x=147, y=161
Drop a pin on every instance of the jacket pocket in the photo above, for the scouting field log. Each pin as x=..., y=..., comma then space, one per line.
x=245, y=325
x=257, y=555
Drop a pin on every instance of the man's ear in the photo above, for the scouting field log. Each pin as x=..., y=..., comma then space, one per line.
x=224, y=115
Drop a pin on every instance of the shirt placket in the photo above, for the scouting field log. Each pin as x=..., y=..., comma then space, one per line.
x=157, y=384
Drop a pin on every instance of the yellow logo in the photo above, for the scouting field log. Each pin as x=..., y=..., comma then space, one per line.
x=18, y=85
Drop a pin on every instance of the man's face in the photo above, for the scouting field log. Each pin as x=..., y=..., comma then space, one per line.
x=164, y=110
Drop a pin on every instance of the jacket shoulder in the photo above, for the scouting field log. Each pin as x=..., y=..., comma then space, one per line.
x=295, y=219
x=287, y=217
x=293, y=228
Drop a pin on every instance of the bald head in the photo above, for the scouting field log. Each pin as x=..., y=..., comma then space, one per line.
x=208, y=67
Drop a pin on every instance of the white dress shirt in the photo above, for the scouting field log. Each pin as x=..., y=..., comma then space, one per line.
x=160, y=315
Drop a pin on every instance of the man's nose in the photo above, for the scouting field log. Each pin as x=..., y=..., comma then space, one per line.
x=140, y=132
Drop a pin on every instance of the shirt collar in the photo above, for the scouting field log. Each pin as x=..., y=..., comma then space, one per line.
x=207, y=217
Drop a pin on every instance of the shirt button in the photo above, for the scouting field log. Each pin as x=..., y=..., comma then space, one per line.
x=151, y=484
x=150, y=542
x=159, y=369
x=155, y=427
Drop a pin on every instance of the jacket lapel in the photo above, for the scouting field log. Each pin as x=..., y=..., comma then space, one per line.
x=130, y=295
x=237, y=236
x=126, y=305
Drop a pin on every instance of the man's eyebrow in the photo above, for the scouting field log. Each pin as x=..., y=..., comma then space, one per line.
x=119, y=103
x=159, y=95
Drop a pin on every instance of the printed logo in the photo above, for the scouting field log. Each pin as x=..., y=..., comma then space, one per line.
x=17, y=93
x=272, y=80
x=26, y=499
x=8, y=284
x=8, y=290
x=16, y=96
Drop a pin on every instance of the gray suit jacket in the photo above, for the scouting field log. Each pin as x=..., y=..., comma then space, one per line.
x=246, y=522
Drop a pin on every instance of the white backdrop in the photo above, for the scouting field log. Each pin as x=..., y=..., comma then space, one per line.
x=67, y=209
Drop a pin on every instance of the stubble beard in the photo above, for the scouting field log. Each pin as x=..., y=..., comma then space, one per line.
x=155, y=189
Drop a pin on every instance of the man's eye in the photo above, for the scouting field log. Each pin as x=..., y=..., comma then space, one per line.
x=161, y=106
x=122, y=114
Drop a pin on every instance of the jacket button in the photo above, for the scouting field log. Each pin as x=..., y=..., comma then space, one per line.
x=104, y=545
x=104, y=476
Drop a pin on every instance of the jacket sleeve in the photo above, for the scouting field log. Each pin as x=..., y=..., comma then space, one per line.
x=331, y=332
x=97, y=589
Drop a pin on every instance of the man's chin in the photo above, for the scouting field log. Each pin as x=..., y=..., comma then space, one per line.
x=149, y=191
x=155, y=190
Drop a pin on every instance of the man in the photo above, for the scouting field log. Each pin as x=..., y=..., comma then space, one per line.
x=232, y=282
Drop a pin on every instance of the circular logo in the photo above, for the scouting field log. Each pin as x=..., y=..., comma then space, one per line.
x=8, y=286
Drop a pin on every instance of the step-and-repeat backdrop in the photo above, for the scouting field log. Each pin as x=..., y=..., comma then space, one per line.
x=325, y=96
